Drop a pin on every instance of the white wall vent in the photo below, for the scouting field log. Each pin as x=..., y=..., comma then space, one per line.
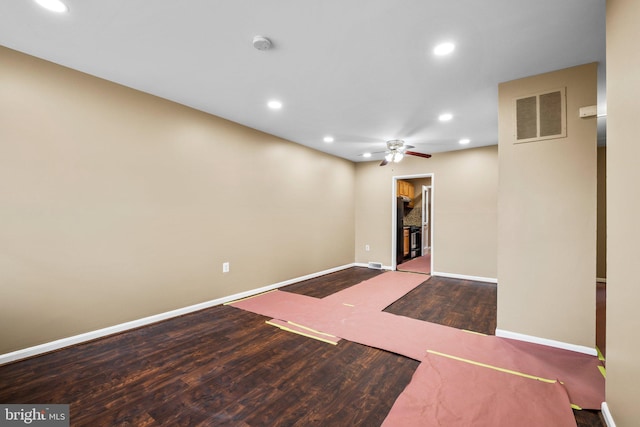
x=541, y=116
x=375, y=265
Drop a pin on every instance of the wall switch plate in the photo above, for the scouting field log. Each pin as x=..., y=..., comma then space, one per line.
x=225, y=267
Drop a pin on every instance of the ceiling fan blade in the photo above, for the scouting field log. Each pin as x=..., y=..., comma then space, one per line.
x=415, y=153
x=384, y=162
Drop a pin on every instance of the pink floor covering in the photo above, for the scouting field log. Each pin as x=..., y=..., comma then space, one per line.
x=421, y=264
x=446, y=392
x=376, y=293
x=304, y=331
x=365, y=324
x=380, y=291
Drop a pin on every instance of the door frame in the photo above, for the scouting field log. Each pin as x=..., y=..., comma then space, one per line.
x=394, y=197
x=426, y=190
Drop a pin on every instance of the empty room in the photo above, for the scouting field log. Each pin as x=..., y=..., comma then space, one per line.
x=287, y=213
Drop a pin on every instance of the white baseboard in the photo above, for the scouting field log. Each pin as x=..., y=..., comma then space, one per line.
x=92, y=335
x=545, y=341
x=606, y=414
x=465, y=277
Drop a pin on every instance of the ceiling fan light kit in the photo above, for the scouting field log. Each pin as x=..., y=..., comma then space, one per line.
x=394, y=157
x=396, y=150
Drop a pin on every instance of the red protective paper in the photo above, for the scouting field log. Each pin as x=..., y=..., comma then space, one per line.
x=380, y=291
x=305, y=331
x=421, y=264
x=412, y=338
x=446, y=392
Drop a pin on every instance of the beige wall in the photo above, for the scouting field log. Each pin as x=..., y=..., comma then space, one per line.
x=118, y=205
x=547, y=217
x=623, y=208
x=464, y=219
x=601, y=266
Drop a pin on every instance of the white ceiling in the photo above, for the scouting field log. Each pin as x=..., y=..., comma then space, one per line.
x=360, y=71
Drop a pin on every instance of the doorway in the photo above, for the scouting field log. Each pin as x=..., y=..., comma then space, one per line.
x=412, y=227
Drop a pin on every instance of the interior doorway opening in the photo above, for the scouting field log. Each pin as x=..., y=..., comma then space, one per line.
x=413, y=223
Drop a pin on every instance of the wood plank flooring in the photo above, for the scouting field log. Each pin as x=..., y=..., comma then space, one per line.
x=226, y=367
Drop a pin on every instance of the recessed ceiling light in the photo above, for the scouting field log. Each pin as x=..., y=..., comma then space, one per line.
x=445, y=117
x=274, y=105
x=444, y=49
x=53, y=5
x=464, y=141
x=366, y=155
x=328, y=139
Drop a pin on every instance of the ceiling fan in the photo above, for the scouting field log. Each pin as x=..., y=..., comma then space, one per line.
x=397, y=149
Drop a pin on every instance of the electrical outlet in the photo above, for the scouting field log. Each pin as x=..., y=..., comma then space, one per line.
x=366, y=248
x=225, y=267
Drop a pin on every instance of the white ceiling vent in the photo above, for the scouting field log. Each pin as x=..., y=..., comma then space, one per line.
x=541, y=116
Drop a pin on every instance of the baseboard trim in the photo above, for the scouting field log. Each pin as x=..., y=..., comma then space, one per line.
x=545, y=341
x=606, y=414
x=110, y=330
x=465, y=277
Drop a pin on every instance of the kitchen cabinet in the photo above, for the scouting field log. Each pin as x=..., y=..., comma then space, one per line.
x=407, y=242
x=406, y=189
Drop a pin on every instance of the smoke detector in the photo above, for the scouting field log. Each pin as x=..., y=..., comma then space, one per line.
x=261, y=43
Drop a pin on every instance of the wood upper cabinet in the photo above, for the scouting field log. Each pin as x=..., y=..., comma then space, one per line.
x=405, y=188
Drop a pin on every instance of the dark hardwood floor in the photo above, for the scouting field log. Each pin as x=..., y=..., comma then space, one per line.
x=226, y=367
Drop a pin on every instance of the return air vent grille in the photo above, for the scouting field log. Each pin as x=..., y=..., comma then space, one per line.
x=375, y=265
x=541, y=116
